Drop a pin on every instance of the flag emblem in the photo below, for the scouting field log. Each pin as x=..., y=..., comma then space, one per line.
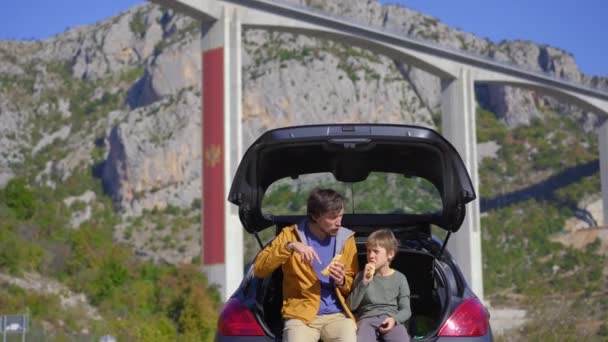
x=213, y=154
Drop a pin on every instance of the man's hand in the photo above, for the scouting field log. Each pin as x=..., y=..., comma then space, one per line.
x=307, y=253
x=388, y=324
x=337, y=273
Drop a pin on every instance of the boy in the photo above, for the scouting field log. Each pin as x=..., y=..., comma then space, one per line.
x=381, y=295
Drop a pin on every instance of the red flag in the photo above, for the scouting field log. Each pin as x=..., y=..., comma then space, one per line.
x=213, y=157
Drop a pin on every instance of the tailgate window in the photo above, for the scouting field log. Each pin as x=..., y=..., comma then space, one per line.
x=380, y=193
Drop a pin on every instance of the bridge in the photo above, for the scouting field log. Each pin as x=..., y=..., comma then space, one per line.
x=222, y=22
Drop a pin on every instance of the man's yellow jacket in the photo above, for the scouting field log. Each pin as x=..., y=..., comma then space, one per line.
x=301, y=286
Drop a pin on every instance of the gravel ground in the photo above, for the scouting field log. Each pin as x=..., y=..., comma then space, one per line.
x=504, y=320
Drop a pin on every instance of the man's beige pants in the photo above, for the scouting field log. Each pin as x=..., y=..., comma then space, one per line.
x=335, y=327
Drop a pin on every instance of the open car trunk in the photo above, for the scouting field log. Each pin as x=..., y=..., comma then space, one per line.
x=427, y=276
x=403, y=177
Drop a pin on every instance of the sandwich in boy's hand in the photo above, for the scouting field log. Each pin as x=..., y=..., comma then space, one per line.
x=369, y=271
x=325, y=271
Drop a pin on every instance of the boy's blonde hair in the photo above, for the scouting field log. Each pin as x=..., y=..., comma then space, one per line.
x=383, y=238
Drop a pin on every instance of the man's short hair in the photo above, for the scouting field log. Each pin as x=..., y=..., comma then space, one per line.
x=321, y=201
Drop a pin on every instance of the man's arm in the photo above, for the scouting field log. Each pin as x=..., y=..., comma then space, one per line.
x=272, y=256
x=351, y=265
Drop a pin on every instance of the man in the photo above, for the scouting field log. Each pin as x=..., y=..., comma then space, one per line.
x=314, y=305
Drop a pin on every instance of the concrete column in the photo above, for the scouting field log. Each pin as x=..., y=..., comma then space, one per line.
x=603, y=140
x=458, y=126
x=222, y=233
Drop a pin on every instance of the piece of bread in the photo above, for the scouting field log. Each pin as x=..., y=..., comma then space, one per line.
x=325, y=271
x=370, y=272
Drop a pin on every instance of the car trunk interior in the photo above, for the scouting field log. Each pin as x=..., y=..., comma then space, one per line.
x=428, y=292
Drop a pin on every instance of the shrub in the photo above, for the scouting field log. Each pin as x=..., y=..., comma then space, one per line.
x=18, y=255
x=152, y=329
x=184, y=297
x=18, y=197
x=113, y=274
x=138, y=24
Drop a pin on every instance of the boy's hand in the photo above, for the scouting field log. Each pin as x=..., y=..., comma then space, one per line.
x=368, y=273
x=388, y=324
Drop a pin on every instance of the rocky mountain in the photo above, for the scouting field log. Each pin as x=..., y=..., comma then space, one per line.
x=122, y=98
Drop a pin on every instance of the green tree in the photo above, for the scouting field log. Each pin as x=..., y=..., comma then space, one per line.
x=186, y=299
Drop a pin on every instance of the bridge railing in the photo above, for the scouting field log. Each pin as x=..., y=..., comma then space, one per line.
x=403, y=34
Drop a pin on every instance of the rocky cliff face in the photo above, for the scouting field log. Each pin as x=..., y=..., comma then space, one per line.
x=129, y=87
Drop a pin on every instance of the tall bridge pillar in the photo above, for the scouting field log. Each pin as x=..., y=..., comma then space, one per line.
x=458, y=126
x=603, y=141
x=222, y=233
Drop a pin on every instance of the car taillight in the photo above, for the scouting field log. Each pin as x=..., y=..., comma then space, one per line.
x=469, y=319
x=237, y=320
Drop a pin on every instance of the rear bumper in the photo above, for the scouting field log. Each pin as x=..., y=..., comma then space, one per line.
x=486, y=338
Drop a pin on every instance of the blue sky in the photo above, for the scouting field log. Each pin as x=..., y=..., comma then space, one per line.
x=39, y=19
x=577, y=26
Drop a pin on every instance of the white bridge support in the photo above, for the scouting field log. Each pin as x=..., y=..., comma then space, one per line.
x=222, y=250
x=458, y=107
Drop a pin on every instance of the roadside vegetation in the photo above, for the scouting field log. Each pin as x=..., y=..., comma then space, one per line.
x=562, y=288
x=136, y=300
x=131, y=299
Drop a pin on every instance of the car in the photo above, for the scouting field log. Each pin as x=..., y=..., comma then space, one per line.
x=403, y=177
